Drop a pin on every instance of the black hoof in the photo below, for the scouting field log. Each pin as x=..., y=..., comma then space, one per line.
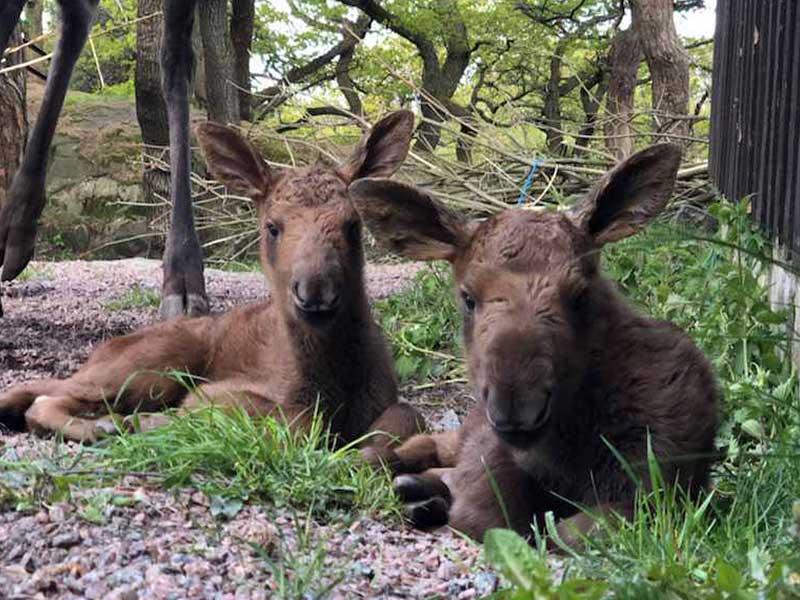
x=175, y=305
x=427, y=514
x=413, y=488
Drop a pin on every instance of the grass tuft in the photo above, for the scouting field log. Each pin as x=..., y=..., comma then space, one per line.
x=234, y=458
x=137, y=297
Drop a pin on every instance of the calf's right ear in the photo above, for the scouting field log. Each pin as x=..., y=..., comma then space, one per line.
x=233, y=161
x=408, y=221
x=629, y=196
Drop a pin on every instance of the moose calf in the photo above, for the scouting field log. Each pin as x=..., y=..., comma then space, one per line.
x=564, y=369
x=313, y=341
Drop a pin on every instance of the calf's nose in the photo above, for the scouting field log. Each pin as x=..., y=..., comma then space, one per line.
x=315, y=294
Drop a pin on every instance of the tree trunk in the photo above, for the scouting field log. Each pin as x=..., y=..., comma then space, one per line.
x=34, y=11
x=551, y=112
x=242, y=19
x=654, y=23
x=223, y=97
x=13, y=116
x=344, y=80
x=439, y=79
x=200, y=94
x=625, y=56
x=151, y=110
x=590, y=101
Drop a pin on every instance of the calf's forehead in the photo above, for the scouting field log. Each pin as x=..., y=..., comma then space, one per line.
x=316, y=186
x=523, y=241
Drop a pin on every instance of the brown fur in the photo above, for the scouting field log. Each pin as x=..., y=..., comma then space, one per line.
x=313, y=340
x=559, y=360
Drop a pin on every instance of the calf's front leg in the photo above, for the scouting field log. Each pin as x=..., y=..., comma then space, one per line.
x=417, y=453
x=251, y=395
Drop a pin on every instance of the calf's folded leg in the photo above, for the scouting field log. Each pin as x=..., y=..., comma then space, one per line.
x=123, y=375
x=418, y=453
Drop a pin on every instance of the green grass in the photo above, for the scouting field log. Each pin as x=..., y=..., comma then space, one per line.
x=226, y=454
x=136, y=297
x=423, y=326
x=34, y=272
x=114, y=93
x=234, y=458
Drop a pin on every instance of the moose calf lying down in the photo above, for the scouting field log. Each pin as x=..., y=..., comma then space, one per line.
x=314, y=339
x=562, y=366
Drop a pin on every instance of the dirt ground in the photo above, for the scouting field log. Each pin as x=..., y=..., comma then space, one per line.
x=166, y=544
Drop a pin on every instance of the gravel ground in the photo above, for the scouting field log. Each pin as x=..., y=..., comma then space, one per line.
x=134, y=541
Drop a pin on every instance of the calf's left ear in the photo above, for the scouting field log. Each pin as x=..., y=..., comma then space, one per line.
x=233, y=160
x=381, y=152
x=406, y=220
x=630, y=195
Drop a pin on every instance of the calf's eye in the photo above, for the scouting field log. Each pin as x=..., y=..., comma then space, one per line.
x=273, y=229
x=469, y=301
x=353, y=231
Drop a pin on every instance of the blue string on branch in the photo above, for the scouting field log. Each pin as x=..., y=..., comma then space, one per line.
x=528, y=179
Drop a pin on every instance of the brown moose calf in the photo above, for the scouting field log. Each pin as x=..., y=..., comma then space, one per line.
x=314, y=340
x=563, y=367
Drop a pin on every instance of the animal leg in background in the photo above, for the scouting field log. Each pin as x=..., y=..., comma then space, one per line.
x=25, y=199
x=183, y=291
x=9, y=17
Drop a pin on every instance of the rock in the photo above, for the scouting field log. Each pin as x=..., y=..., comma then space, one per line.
x=57, y=513
x=485, y=583
x=66, y=540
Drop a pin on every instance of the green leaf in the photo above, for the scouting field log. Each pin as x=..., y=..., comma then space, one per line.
x=728, y=578
x=225, y=507
x=510, y=554
x=753, y=428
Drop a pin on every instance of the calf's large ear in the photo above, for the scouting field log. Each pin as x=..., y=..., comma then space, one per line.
x=630, y=195
x=234, y=161
x=381, y=152
x=408, y=221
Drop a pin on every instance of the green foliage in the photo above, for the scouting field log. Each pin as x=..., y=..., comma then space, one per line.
x=228, y=455
x=422, y=324
x=113, y=38
x=528, y=572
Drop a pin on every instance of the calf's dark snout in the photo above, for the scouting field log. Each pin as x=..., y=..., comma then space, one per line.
x=316, y=293
x=517, y=407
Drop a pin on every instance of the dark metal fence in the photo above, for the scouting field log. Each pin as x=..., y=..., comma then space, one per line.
x=755, y=119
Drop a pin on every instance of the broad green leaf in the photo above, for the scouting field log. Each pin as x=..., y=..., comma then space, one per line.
x=509, y=553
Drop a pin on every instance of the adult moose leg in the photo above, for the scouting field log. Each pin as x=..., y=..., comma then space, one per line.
x=9, y=17
x=183, y=291
x=25, y=199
